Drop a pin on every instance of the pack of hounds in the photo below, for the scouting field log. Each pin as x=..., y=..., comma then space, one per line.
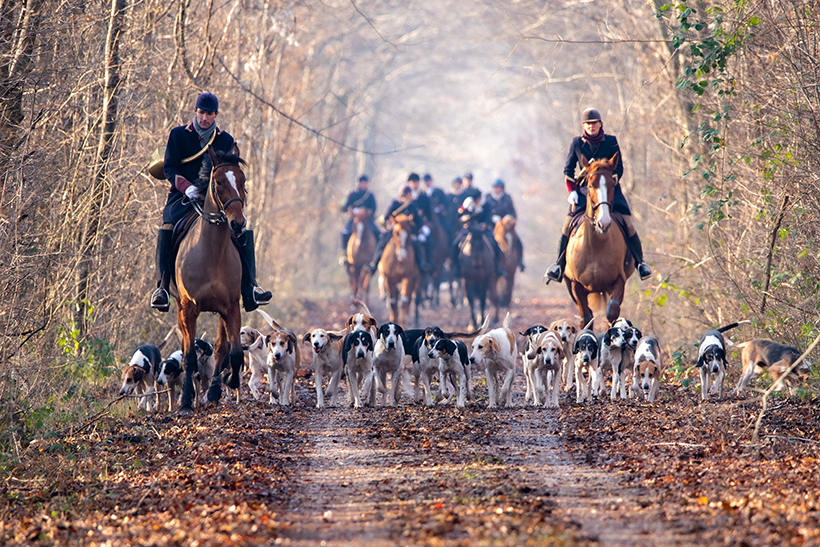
x=376, y=359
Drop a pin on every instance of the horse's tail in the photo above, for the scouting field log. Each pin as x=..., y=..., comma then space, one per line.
x=269, y=320
x=732, y=325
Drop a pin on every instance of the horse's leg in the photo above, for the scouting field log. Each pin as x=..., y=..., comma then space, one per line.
x=581, y=297
x=186, y=319
x=233, y=323
x=613, y=309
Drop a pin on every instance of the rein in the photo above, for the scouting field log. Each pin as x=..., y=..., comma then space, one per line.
x=219, y=217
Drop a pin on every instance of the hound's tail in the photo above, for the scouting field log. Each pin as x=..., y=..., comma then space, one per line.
x=269, y=320
x=507, y=321
x=472, y=334
x=364, y=307
x=732, y=325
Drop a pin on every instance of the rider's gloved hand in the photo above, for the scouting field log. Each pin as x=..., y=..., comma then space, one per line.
x=425, y=231
x=496, y=218
x=193, y=193
x=356, y=210
x=572, y=199
x=421, y=237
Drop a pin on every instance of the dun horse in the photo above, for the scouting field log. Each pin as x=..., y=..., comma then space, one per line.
x=360, y=249
x=476, y=259
x=597, y=260
x=208, y=274
x=504, y=234
x=399, y=270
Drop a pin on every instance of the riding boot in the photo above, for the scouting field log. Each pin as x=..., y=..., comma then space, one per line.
x=377, y=256
x=252, y=295
x=421, y=256
x=520, y=248
x=635, y=247
x=345, y=239
x=160, y=300
x=556, y=271
x=499, y=272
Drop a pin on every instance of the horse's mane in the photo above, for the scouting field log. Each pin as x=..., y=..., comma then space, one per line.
x=229, y=157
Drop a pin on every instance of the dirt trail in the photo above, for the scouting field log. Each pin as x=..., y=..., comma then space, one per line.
x=674, y=473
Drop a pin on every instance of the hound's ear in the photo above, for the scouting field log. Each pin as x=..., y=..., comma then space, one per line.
x=575, y=347
x=700, y=360
x=399, y=330
x=306, y=337
x=268, y=338
x=139, y=373
x=333, y=336
x=607, y=338
x=492, y=345
x=373, y=322
x=638, y=333
x=573, y=329
x=524, y=334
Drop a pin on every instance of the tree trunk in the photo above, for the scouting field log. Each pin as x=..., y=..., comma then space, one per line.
x=108, y=127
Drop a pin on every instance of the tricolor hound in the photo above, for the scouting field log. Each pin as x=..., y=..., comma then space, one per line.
x=761, y=354
x=170, y=375
x=585, y=351
x=357, y=355
x=388, y=357
x=647, y=372
x=549, y=359
x=138, y=375
x=453, y=364
x=530, y=336
x=712, y=360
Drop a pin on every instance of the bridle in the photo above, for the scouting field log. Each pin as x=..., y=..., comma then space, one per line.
x=595, y=206
x=218, y=217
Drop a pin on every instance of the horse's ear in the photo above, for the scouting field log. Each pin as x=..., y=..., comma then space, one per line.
x=212, y=155
x=613, y=161
x=584, y=161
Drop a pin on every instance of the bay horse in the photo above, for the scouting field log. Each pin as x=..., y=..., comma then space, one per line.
x=399, y=271
x=476, y=259
x=597, y=260
x=360, y=249
x=208, y=274
x=504, y=234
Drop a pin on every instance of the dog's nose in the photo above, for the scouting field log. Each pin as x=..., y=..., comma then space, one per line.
x=430, y=354
x=586, y=358
x=715, y=369
x=472, y=360
x=391, y=345
x=360, y=354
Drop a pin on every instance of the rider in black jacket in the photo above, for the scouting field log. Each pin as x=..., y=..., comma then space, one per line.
x=594, y=144
x=188, y=168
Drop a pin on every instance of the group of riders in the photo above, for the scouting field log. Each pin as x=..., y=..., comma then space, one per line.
x=458, y=212
x=188, y=167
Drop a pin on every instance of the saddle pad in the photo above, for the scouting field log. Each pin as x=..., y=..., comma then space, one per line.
x=617, y=217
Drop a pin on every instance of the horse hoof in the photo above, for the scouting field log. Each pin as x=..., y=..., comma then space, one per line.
x=185, y=411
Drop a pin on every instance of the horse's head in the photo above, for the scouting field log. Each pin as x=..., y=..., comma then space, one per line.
x=600, y=184
x=226, y=191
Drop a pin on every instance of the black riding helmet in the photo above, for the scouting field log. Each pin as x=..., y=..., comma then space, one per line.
x=591, y=115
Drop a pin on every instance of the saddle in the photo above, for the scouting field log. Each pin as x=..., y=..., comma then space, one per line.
x=617, y=218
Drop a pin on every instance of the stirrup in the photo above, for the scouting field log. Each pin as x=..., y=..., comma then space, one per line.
x=261, y=297
x=644, y=271
x=160, y=300
x=553, y=273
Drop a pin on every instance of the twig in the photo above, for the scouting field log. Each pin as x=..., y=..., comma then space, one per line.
x=687, y=445
x=756, y=434
x=803, y=439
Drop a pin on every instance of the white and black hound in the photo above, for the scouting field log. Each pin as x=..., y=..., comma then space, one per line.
x=357, y=355
x=530, y=336
x=138, y=376
x=712, y=360
x=585, y=351
x=388, y=356
x=170, y=375
x=453, y=363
